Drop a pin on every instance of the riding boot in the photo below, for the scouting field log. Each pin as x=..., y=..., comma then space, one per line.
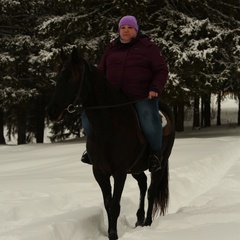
x=85, y=158
x=154, y=162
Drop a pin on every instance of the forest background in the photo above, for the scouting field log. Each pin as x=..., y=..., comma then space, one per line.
x=200, y=40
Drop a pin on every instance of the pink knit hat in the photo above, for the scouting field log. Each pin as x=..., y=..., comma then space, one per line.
x=128, y=20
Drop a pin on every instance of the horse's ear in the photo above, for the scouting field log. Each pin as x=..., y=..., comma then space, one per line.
x=63, y=56
x=74, y=55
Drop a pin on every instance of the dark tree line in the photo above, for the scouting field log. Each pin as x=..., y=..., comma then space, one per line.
x=200, y=40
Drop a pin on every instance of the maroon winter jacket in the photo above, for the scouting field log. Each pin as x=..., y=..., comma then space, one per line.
x=136, y=67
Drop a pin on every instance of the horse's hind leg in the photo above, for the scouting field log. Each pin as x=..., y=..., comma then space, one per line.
x=158, y=193
x=142, y=183
x=151, y=198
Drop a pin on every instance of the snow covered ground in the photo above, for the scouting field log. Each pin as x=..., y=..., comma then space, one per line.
x=46, y=193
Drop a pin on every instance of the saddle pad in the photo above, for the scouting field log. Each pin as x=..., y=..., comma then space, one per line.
x=164, y=120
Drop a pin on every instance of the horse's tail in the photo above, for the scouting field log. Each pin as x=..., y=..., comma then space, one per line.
x=161, y=198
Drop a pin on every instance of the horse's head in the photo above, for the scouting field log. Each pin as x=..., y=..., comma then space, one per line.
x=68, y=83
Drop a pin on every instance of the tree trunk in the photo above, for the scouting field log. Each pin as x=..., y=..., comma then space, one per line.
x=219, y=97
x=40, y=124
x=239, y=109
x=202, y=111
x=21, y=124
x=179, y=117
x=196, y=113
x=207, y=110
x=2, y=139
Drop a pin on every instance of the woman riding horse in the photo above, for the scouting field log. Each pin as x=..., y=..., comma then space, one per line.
x=134, y=64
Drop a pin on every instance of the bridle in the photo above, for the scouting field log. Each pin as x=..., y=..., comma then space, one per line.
x=73, y=107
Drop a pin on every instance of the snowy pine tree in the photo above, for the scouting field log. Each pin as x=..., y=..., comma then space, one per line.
x=200, y=40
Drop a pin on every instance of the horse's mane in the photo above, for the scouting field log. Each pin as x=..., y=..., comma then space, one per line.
x=105, y=92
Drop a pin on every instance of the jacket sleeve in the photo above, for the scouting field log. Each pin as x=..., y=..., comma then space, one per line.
x=159, y=68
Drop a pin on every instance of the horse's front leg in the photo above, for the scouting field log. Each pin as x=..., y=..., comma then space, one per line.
x=105, y=185
x=119, y=181
x=111, y=202
x=142, y=184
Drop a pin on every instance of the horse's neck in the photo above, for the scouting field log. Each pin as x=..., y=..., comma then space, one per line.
x=101, y=93
x=104, y=93
x=95, y=94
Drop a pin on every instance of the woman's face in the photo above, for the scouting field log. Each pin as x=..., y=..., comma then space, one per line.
x=127, y=32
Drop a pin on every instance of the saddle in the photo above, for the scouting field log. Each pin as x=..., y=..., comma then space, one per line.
x=166, y=125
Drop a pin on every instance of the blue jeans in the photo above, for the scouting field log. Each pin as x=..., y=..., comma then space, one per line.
x=86, y=124
x=149, y=119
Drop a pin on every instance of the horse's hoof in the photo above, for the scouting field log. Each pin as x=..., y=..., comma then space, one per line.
x=113, y=236
x=140, y=223
x=148, y=222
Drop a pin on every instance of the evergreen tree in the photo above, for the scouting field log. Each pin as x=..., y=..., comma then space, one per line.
x=198, y=45
x=200, y=40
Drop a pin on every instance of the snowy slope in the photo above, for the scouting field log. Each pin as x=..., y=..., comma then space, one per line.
x=46, y=193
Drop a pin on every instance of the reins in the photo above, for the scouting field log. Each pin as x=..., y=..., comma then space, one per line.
x=72, y=108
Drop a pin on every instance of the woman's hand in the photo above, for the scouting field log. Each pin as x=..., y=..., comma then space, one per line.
x=152, y=94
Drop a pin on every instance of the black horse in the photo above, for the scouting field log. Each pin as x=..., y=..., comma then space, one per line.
x=116, y=145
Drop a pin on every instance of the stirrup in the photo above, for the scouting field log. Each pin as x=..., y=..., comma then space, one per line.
x=85, y=158
x=154, y=162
